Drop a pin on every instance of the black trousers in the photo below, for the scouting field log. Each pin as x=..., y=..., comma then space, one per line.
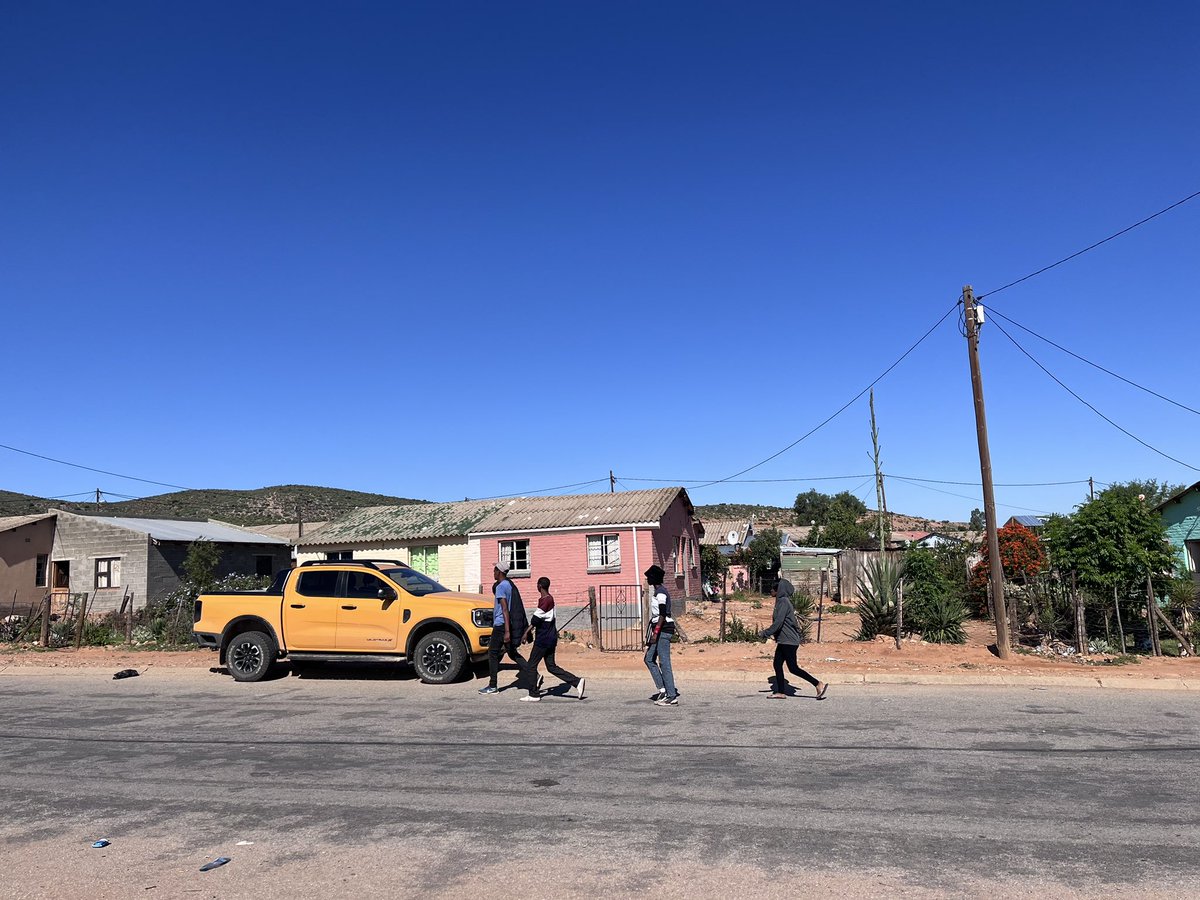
x=535, y=657
x=785, y=654
x=497, y=647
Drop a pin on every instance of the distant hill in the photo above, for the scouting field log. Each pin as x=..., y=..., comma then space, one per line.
x=263, y=506
x=767, y=516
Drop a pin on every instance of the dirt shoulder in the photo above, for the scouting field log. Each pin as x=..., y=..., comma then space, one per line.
x=838, y=658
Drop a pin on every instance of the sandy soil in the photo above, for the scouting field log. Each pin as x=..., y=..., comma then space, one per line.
x=837, y=652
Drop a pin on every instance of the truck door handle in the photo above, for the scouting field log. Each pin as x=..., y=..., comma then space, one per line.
x=297, y=606
x=349, y=607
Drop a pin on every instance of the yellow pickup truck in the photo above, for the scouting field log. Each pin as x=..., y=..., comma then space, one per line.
x=360, y=610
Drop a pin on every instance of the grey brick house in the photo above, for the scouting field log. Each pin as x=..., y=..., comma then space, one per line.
x=111, y=558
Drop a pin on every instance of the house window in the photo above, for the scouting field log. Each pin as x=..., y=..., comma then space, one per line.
x=264, y=564
x=691, y=547
x=39, y=574
x=62, y=574
x=603, y=553
x=108, y=573
x=516, y=554
x=339, y=555
x=680, y=550
x=424, y=560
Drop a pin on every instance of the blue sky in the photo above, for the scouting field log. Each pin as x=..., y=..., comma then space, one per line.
x=447, y=249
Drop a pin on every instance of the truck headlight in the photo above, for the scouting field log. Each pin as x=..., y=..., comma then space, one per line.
x=482, y=617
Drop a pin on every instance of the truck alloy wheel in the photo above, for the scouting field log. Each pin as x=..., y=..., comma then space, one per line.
x=249, y=656
x=439, y=657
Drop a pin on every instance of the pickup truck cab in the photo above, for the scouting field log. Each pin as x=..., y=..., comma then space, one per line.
x=356, y=610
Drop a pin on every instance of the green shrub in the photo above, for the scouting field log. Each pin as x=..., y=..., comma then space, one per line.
x=878, y=587
x=739, y=631
x=942, y=621
x=804, y=606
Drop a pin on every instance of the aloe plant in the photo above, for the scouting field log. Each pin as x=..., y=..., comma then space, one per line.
x=878, y=587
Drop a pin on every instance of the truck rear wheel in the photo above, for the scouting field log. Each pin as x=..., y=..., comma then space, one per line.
x=439, y=657
x=250, y=656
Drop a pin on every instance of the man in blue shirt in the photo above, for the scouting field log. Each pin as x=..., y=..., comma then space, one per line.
x=509, y=624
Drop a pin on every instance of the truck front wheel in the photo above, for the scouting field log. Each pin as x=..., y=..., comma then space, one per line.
x=250, y=656
x=439, y=657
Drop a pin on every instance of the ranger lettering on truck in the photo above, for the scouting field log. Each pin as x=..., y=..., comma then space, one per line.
x=366, y=610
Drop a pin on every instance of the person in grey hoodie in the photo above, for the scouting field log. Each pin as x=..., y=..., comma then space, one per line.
x=786, y=632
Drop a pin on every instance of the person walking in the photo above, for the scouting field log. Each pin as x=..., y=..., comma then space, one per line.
x=658, y=640
x=545, y=641
x=786, y=632
x=508, y=627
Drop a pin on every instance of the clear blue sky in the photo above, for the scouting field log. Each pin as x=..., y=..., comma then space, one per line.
x=467, y=249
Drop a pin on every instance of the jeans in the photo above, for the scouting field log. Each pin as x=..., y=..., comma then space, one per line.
x=529, y=680
x=496, y=650
x=786, y=654
x=658, y=661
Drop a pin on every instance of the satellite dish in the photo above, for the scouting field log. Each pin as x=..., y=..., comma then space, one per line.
x=732, y=537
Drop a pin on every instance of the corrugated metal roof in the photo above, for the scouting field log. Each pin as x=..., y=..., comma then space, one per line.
x=171, y=530
x=581, y=510
x=716, y=532
x=1029, y=521
x=403, y=523
x=7, y=523
x=289, y=531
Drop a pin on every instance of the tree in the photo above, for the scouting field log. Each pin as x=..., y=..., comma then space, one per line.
x=713, y=565
x=201, y=562
x=978, y=521
x=812, y=507
x=762, y=556
x=1021, y=558
x=1114, y=541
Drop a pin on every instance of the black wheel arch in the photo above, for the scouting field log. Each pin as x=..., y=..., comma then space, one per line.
x=248, y=623
x=437, y=623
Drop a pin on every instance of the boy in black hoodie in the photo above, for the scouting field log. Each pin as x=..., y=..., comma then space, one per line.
x=786, y=632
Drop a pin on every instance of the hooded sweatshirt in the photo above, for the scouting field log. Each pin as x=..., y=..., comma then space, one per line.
x=783, y=625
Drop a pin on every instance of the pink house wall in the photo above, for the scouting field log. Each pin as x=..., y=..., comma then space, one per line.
x=562, y=557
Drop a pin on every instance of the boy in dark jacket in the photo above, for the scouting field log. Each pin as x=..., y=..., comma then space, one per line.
x=786, y=632
x=545, y=642
x=508, y=627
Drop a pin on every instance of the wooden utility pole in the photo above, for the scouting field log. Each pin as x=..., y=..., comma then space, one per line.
x=879, y=501
x=612, y=482
x=996, y=574
x=1091, y=488
x=97, y=501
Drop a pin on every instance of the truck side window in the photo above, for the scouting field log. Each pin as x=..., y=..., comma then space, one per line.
x=362, y=585
x=317, y=584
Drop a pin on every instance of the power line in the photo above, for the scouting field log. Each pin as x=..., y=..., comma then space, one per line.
x=1095, y=365
x=63, y=462
x=965, y=497
x=842, y=409
x=994, y=483
x=1060, y=383
x=1125, y=230
x=693, y=481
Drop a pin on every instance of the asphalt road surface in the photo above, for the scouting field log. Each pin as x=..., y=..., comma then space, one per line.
x=348, y=783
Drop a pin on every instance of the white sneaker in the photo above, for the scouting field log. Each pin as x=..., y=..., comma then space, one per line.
x=531, y=698
x=660, y=694
x=579, y=689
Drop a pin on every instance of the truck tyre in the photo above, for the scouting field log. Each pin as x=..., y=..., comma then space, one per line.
x=250, y=656
x=439, y=657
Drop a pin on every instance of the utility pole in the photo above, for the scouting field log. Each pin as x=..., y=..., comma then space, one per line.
x=299, y=520
x=1091, y=488
x=612, y=482
x=98, y=492
x=879, y=501
x=996, y=574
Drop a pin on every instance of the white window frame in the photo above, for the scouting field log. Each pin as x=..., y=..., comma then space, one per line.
x=107, y=572
x=339, y=555
x=608, y=556
x=511, y=551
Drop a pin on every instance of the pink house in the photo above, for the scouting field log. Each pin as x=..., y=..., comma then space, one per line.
x=589, y=540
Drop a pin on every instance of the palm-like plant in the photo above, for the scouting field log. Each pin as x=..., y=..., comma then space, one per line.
x=878, y=586
x=942, y=621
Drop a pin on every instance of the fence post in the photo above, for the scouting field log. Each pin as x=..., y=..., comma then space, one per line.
x=724, y=602
x=45, y=635
x=83, y=604
x=821, y=602
x=592, y=612
x=129, y=622
x=1151, y=621
x=1117, y=610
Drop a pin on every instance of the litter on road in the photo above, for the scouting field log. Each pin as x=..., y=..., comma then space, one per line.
x=215, y=864
x=126, y=673
x=96, y=845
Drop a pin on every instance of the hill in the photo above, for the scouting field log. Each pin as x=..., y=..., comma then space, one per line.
x=782, y=516
x=262, y=506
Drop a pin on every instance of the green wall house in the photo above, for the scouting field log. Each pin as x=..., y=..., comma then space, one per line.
x=1181, y=517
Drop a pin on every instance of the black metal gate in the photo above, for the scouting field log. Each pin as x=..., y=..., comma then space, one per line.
x=619, y=621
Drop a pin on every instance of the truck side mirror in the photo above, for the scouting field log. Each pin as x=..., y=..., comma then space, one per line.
x=387, y=593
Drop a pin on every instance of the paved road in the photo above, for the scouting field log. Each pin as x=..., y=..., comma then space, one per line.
x=349, y=784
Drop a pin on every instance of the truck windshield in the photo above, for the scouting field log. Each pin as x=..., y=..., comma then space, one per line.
x=414, y=582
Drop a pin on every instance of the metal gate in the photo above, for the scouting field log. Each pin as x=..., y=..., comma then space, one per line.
x=619, y=621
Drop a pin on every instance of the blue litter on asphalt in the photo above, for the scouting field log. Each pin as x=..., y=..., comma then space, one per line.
x=96, y=845
x=216, y=863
